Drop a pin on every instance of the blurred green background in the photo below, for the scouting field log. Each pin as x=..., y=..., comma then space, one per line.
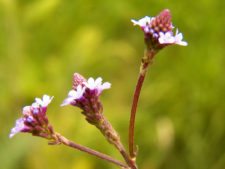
x=180, y=120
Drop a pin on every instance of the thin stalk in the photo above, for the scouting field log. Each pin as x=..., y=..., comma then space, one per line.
x=132, y=150
x=113, y=138
x=125, y=155
x=61, y=139
x=146, y=60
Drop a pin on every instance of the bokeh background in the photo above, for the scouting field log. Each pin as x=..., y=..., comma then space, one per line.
x=180, y=120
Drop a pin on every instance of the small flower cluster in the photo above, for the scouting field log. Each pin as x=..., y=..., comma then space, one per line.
x=158, y=30
x=85, y=95
x=34, y=119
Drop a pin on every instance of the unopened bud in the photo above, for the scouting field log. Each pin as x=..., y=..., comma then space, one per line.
x=77, y=80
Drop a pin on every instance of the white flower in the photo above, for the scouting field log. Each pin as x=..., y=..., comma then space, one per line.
x=168, y=38
x=97, y=84
x=18, y=127
x=44, y=102
x=142, y=22
x=73, y=95
x=178, y=39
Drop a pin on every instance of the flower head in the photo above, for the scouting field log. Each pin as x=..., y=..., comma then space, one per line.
x=85, y=95
x=34, y=119
x=159, y=30
x=85, y=89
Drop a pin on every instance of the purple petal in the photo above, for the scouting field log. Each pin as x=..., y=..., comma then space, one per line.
x=18, y=127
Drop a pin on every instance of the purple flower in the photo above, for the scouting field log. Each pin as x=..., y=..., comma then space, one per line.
x=34, y=119
x=159, y=30
x=80, y=92
x=85, y=95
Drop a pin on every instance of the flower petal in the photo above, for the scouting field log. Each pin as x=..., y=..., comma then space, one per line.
x=18, y=127
x=106, y=85
x=67, y=101
x=142, y=22
x=44, y=101
x=98, y=81
x=178, y=39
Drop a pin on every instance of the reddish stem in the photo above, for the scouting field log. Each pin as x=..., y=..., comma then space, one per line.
x=61, y=139
x=131, y=163
x=133, y=115
x=146, y=60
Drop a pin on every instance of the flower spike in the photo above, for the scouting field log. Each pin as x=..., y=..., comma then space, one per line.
x=34, y=119
x=85, y=95
x=159, y=31
x=84, y=90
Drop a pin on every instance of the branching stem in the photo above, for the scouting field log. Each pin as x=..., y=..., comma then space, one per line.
x=62, y=140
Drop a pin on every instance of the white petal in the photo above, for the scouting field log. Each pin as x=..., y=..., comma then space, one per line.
x=166, y=38
x=45, y=100
x=72, y=93
x=182, y=43
x=35, y=105
x=178, y=39
x=80, y=92
x=91, y=80
x=26, y=110
x=142, y=22
x=67, y=101
x=106, y=85
x=90, y=83
x=98, y=81
x=38, y=101
x=18, y=127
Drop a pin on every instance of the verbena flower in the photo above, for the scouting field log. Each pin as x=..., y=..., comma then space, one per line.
x=159, y=30
x=34, y=119
x=85, y=95
x=85, y=89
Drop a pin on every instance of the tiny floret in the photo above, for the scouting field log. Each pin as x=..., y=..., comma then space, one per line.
x=142, y=22
x=74, y=95
x=97, y=84
x=44, y=102
x=178, y=39
x=168, y=38
x=18, y=127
